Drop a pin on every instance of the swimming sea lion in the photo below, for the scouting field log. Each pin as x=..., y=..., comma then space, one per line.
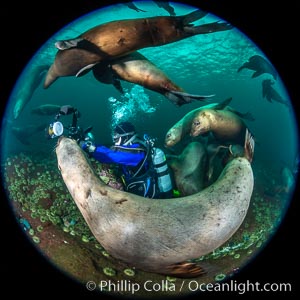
x=225, y=126
x=260, y=65
x=25, y=133
x=158, y=235
x=46, y=109
x=189, y=168
x=24, y=93
x=166, y=6
x=133, y=7
x=270, y=93
x=118, y=38
x=136, y=68
x=183, y=127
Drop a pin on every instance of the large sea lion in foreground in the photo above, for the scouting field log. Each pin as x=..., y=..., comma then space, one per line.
x=118, y=38
x=159, y=235
x=136, y=68
x=226, y=126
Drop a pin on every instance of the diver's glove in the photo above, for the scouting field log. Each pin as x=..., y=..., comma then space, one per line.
x=87, y=146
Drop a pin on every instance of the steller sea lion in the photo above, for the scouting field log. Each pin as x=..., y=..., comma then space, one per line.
x=183, y=127
x=136, y=68
x=46, y=109
x=225, y=126
x=24, y=93
x=166, y=6
x=189, y=168
x=118, y=38
x=159, y=235
x=260, y=65
x=270, y=93
x=133, y=7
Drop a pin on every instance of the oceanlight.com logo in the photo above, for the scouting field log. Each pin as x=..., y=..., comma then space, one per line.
x=187, y=285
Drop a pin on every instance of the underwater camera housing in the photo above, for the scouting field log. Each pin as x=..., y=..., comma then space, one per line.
x=56, y=128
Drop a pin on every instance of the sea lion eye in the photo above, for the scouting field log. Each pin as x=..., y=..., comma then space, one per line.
x=168, y=135
x=196, y=123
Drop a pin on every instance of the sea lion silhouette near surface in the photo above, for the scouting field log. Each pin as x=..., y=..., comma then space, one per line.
x=159, y=235
x=118, y=38
x=260, y=65
x=136, y=68
x=271, y=94
x=34, y=78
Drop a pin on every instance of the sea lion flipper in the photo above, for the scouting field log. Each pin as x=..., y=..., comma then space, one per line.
x=223, y=104
x=185, y=270
x=249, y=145
x=117, y=84
x=67, y=44
x=246, y=116
x=84, y=70
x=194, y=16
x=208, y=28
x=181, y=98
x=257, y=73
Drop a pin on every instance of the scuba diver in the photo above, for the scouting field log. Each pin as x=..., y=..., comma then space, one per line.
x=144, y=168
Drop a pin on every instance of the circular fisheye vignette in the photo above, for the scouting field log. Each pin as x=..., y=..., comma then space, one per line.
x=42, y=181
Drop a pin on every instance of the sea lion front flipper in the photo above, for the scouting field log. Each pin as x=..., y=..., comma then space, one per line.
x=223, y=104
x=246, y=116
x=194, y=16
x=180, y=98
x=244, y=66
x=249, y=146
x=67, y=44
x=79, y=43
x=208, y=28
x=185, y=270
x=256, y=74
x=117, y=84
x=84, y=70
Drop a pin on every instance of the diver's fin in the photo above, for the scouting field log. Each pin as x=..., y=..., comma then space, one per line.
x=180, y=98
x=194, y=16
x=67, y=44
x=256, y=74
x=185, y=270
x=249, y=145
x=223, y=104
x=208, y=28
x=85, y=70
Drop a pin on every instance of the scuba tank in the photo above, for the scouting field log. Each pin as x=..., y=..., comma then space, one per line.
x=163, y=174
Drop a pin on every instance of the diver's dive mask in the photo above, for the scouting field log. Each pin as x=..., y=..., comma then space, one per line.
x=121, y=139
